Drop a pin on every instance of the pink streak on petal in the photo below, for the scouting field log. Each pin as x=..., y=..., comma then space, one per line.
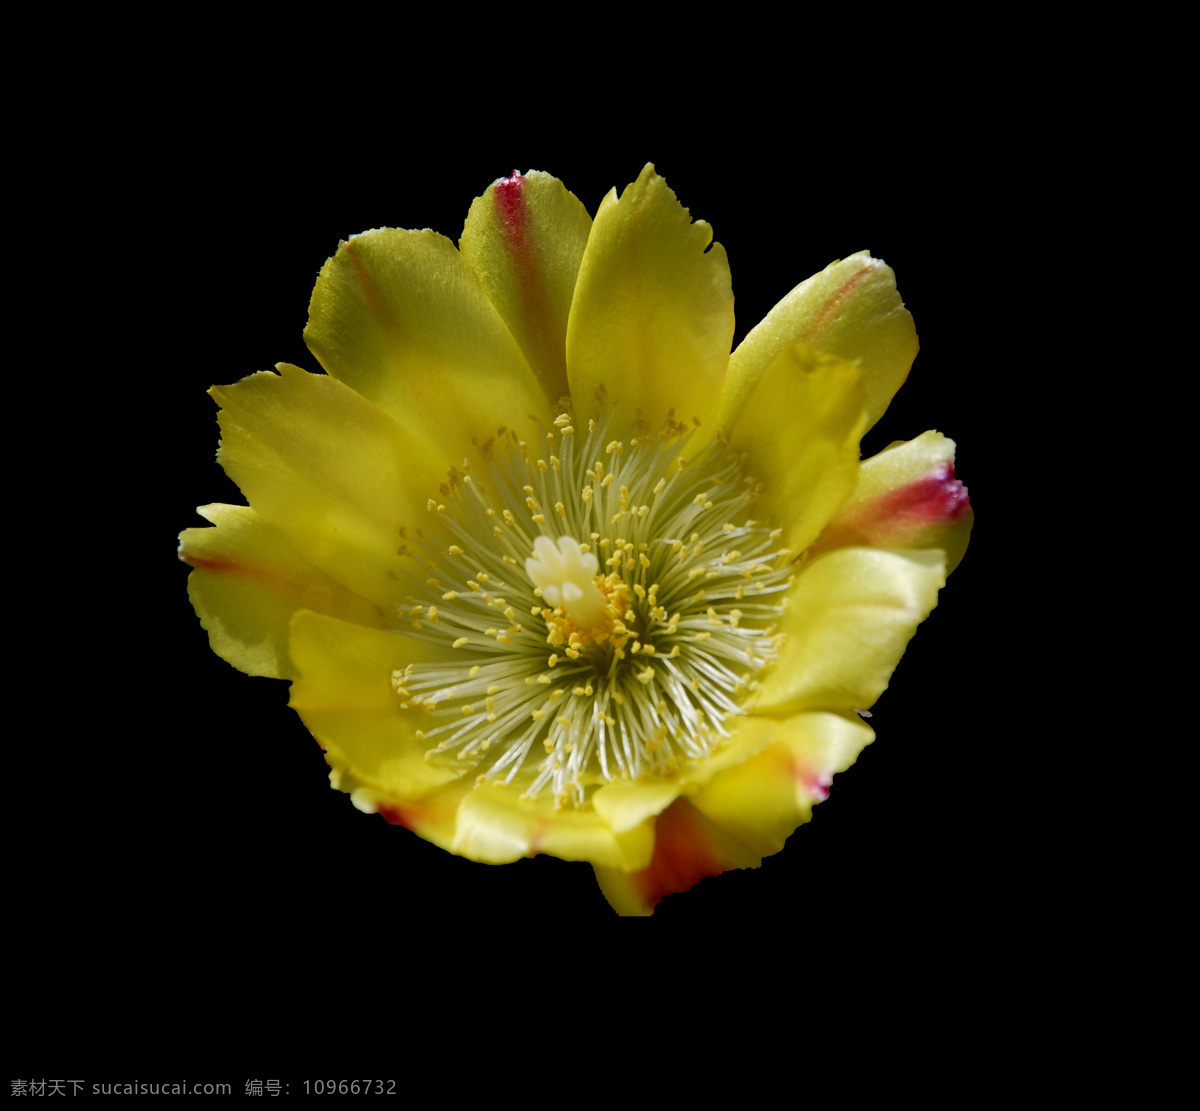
x=514, y=224
x=815, y=784
x=514, y=216
x=371, y=292
x=681, y=857
x=210, y=563
x=936, y=498
x=543, y=334
x=395, y=816
x=833, y=306
x=902, y=515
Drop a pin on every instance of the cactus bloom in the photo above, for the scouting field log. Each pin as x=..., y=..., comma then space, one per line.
x=550, y=570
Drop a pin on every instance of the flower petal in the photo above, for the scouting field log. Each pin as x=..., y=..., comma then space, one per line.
x=624, y=804
x=248, y=581
x=687, y=847
x=343, y=692
x=801, y=427
x=850, y=615
x=400, y=317
x=524, y=239
x=496, y=825
x=652, y=319
x=326, y=468
x=763, y=800
x=434, y=817
x=851, y=310
x=745, y=812
x=907, y=497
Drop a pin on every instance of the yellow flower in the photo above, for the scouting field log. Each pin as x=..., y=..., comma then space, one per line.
x=550, y=570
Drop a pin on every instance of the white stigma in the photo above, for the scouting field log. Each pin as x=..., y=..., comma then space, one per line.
x=565, y=575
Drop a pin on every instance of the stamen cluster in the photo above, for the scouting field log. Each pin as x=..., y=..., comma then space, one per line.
x=612, y=605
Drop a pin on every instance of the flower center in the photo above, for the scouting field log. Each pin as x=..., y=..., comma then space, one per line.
x=603, y=611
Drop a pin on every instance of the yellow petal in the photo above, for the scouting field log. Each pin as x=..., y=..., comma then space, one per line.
x=743, y=813
x=800, y=428
x=331, y=472
x=343, y=692
x=495, y=825
x=524, y=239
x=652, y=320
x=400, y=317
x=763, y=800
x=851, y=310
x=433, y=817
x=687, y=847
x=248, y=581
x=907, y=497
x=624, y=804
x=850, y=615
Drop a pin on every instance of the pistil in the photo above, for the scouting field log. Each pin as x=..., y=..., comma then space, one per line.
x=566, y=576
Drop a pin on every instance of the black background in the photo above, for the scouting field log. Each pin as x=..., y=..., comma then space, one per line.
x=185, y=816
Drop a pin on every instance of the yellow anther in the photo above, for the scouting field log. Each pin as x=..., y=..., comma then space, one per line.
x=461, y=641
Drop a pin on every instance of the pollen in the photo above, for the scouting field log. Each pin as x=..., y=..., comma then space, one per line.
x=615, y=664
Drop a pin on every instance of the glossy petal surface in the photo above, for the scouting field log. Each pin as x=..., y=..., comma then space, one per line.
x=401, y=318
x=247, y=583
x=906, y=498
x=328, y=470
x=850, y=310
x=801, y=426
x=652, y=319
x=851, y=614
x=524, y=239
